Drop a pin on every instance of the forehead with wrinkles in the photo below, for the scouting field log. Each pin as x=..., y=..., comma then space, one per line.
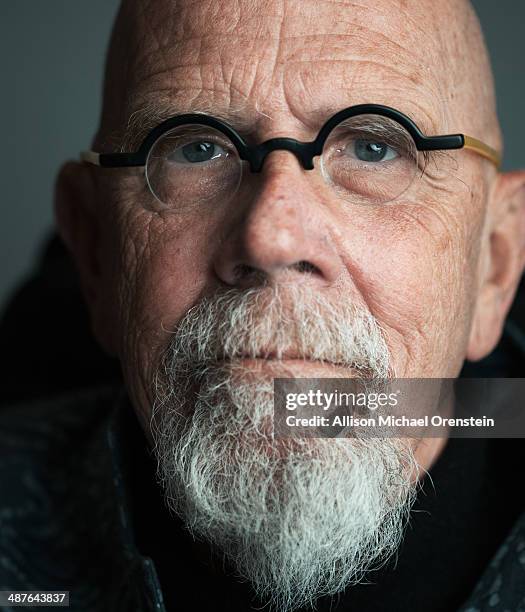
x=294, y=62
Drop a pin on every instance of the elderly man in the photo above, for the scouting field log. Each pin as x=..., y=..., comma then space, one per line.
x=277, y=188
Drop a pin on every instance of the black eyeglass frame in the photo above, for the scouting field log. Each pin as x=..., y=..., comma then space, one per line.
x=304, y=151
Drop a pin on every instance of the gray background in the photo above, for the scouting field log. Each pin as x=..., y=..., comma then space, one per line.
x=53, y=55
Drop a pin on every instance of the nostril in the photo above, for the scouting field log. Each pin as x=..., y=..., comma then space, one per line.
x=244, y=272
x=305, y=267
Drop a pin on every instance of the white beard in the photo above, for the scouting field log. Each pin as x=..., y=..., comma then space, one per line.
x=298, y=518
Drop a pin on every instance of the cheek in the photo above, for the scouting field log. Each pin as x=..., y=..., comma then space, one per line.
x=414, y=268
x=161, y=274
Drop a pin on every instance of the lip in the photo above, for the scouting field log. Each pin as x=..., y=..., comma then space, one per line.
x=275, y=358
x=290, y=360
x=287, y=355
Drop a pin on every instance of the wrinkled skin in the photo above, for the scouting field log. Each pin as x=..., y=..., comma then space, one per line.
x=438, y=268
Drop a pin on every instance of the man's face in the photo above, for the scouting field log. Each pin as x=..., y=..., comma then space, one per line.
x=204, y=305
x=283, y=68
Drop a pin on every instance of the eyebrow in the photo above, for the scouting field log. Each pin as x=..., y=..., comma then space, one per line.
x=149, y=116
x=152, y=114
x=424, y=119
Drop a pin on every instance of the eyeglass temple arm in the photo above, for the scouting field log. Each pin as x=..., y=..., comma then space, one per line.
x=90, y=157
x=114, y=160
x=482, y=149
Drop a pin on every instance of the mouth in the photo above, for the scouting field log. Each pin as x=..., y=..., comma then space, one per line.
x=278, y=356
x=291, y=360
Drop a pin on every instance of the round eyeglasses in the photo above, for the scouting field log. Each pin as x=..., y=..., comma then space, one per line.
x=369, y=154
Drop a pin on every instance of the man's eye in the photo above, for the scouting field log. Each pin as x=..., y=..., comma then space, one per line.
x=199, y=151
x=370, y=150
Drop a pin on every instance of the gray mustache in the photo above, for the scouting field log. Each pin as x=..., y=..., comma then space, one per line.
x=276, y=323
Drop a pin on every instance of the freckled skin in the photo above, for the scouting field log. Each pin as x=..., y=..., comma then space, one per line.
x=419, y=264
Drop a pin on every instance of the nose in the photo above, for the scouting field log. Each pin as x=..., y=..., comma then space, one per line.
x=280, y=226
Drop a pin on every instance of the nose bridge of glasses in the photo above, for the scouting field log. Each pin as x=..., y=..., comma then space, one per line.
x=303, y=151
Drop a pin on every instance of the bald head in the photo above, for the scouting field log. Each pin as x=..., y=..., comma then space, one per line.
x=272, y=57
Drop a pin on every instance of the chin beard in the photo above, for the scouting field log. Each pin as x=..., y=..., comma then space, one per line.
x=298, y=518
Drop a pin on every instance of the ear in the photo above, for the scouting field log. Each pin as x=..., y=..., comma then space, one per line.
x=503, y=261
x=77, y=223
x=79, y=227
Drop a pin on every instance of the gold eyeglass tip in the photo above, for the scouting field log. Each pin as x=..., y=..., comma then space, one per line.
x=473, y=144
